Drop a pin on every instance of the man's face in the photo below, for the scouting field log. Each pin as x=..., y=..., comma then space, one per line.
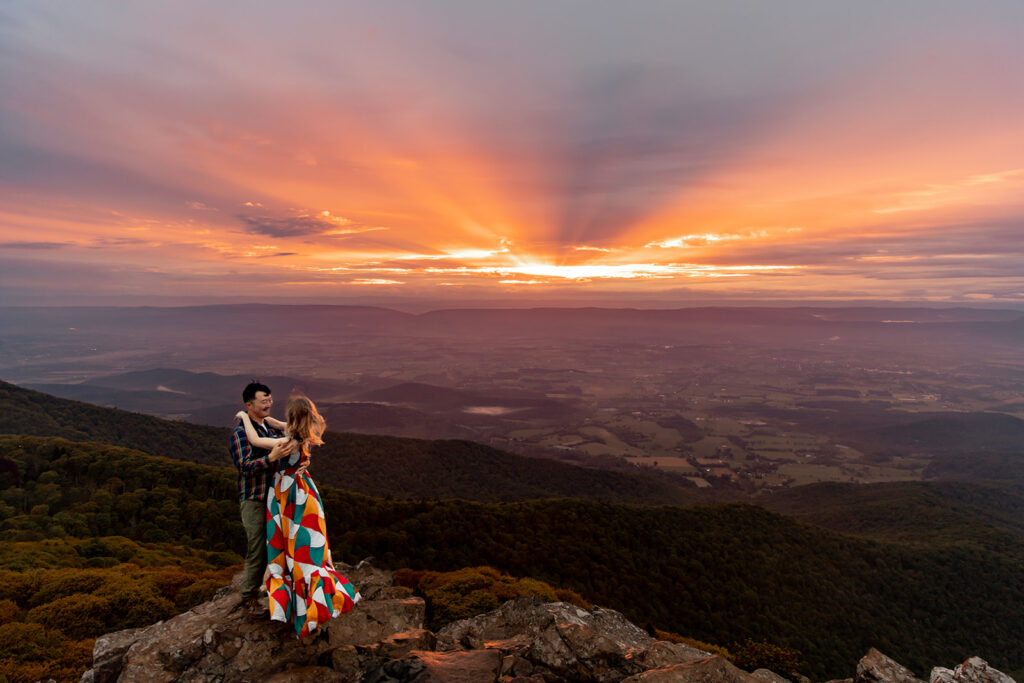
x=259, y=407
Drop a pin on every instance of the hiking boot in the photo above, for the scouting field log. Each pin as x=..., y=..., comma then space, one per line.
x=256, y=608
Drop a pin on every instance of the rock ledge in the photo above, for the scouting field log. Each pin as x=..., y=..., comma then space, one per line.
x=383, y=641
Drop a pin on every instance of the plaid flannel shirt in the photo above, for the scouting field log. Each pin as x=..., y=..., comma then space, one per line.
x=255, y=472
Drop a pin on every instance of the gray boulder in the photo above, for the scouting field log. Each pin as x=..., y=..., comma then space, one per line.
x=874, y=667
x=770, y=676
x=107, y=654
x=707, y=670
x=974, y=670
x=460, y=666
x=560, y=640
x=528, y=615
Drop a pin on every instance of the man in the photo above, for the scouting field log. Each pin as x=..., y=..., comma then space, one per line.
x=256, y=468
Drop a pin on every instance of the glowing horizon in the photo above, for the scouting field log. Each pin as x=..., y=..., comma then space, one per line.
x=330, y=152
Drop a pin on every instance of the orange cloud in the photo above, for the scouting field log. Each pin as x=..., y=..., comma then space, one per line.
x=875, y=177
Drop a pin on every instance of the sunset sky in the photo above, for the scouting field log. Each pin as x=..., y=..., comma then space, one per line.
x=658, y=152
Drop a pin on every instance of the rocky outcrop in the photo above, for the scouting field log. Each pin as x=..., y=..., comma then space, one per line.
x=768, y=676
x=383, y=641
x=219, y=641
x=875, y=667
x=108, y=654
x=974, y=670
x=562, y=641
x=699, y=671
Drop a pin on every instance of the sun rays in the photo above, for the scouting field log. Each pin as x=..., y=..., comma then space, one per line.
x=436, y=156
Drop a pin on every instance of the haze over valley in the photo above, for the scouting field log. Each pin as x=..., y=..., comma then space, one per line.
x=729, y=398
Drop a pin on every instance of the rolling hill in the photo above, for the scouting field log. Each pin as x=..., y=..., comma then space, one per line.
x=973, y=514
x=370, y=464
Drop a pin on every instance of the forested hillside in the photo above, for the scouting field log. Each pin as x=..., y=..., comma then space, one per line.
x=719, y=573
x=989, y=516
x=375, y=465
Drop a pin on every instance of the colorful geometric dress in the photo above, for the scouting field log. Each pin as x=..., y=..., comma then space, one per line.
x=304, y=588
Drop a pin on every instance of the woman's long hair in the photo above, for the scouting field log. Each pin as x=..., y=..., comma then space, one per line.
x=305, y=424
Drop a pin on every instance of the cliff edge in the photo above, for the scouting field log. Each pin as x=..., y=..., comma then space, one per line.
x=383, y=641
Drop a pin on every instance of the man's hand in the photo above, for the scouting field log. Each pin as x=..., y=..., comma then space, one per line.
x=282, y=449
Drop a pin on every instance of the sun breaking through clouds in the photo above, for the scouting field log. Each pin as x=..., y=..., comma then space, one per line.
x=332, y=149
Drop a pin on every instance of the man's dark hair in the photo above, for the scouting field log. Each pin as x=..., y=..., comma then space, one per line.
x=249, y=393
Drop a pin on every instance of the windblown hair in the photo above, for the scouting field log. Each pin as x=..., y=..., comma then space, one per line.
x=305, y=424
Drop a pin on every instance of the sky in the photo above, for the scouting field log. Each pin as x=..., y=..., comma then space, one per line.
x=653, y=152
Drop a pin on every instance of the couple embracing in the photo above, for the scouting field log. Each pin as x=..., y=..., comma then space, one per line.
x=283, y=515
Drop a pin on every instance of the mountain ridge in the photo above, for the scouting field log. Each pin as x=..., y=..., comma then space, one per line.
x=372, y=464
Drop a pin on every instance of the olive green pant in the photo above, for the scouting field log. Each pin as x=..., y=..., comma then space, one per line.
x=254, y=519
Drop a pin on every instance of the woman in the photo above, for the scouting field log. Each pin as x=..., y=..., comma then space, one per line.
x=304, y=588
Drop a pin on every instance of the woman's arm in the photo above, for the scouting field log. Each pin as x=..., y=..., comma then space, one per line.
x=254, y=438
x=275, y=423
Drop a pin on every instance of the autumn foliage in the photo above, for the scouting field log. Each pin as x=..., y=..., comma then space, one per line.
x=50, y=617
x=464, y=593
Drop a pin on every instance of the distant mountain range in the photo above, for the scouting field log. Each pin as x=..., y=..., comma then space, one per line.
x=209, y=386
x=960, y=445
x=369, y=406
x=258, y=319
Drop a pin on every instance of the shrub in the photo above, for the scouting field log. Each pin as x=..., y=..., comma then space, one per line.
x=171, y=581
x=64, y=582
x=122, y=548
x=24, y=642
x=199, y=592
x=692, y=642
x=9, y=611
x=70, y=662
x=14, y=671
x=469, y=591
x=77, y=616
x=19, y=586
x=64, y=663
x=539, y=589
x=101, y=562
x=763, y=655
x=450, y=604
x=136, y=603
x=409, y=578
x=94, y=547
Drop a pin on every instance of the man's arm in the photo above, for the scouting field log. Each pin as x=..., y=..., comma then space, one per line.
x=245, y=461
